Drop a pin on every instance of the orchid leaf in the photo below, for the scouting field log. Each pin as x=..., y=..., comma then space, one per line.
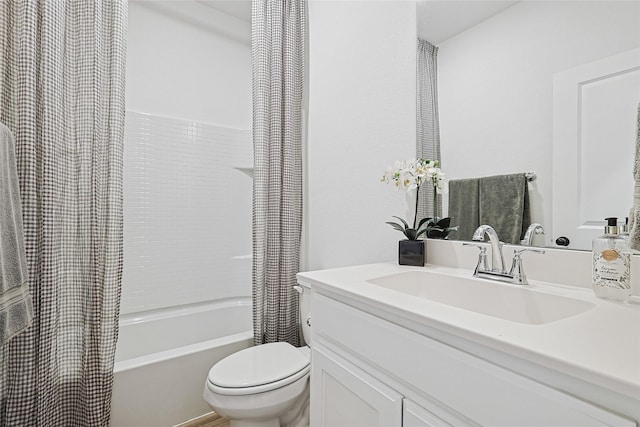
x=411, y=234
x=422, y=221
x=444, y=222
x=425, y=227
x=406, y=226
x=438, y=233
x=421, y=232
x=396, y=226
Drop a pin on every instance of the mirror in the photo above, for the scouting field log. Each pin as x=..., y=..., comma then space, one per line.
x=496, y=66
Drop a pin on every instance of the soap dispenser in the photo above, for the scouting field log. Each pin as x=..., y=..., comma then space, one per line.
x=611, y=276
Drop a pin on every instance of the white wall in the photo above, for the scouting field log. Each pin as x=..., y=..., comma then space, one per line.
x=496, y=87
x=362, y=91
x=189, y=61
x=187, y=210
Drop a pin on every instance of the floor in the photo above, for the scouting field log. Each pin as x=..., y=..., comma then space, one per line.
x=208, y=420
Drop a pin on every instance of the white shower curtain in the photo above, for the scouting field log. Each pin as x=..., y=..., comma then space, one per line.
x=428, y=127
x=62, y=95
x=278, y=40
x=634, y=215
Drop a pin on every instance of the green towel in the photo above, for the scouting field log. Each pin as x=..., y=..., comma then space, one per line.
x=464, y=207
x=504, y=205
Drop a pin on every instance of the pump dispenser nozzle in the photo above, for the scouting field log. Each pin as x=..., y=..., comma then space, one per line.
x=624, y=229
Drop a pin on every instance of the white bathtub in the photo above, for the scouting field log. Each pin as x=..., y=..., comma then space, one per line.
x=163, y=358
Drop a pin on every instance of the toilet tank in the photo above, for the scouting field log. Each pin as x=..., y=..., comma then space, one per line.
x=305, y=311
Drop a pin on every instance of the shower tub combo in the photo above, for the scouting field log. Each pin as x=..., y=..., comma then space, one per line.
x=163, y=358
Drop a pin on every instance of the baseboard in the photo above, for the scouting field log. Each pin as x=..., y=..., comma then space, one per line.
x=207, y=420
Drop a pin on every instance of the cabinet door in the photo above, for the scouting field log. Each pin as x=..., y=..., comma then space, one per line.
x=414, y=415
x=482, y=392
x=343, y=395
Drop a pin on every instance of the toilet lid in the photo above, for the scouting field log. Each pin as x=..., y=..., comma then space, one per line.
x=259, y=365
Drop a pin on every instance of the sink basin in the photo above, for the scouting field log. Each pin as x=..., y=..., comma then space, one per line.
x=504, y=301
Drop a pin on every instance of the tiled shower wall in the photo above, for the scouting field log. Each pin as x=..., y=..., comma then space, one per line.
x=187, y=213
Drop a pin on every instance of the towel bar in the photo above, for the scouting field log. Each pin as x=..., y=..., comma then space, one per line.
x=531, y=176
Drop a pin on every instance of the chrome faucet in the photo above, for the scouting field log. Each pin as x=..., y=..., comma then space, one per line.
x=497, y=261
x=534, y=228
x=515, y=275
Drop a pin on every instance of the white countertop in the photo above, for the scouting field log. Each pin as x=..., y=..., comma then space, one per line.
x=600, y=346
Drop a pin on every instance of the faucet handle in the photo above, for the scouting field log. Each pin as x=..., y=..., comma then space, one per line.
x=482, y=264
x=519, y=252
x=517, y=271
x=482, y=247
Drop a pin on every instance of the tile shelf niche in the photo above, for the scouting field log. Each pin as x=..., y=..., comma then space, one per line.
x=247, y=170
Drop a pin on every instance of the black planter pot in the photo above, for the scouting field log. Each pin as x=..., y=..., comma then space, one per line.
x=411, y=252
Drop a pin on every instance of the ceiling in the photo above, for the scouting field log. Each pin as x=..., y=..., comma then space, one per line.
x=440, y=19
x=239, y=8
x=437, y=19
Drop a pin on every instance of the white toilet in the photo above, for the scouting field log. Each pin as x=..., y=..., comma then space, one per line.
x=265, y=385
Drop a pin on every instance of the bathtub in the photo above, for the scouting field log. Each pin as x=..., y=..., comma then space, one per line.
x=163, y=357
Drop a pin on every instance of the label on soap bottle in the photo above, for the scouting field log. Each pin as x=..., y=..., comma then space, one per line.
x=611, y=269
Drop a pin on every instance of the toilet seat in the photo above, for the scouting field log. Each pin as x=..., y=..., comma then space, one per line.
x=258, y=369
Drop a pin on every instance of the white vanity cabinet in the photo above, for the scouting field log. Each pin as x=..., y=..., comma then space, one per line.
x=414, y=415
x=369, y=371
x=346, y=396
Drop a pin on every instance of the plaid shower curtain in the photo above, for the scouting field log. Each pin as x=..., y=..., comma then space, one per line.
x=62, y=95
x=428, y=125
x=278, y=40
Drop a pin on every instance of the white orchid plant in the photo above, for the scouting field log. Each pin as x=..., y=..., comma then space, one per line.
x=409, y=175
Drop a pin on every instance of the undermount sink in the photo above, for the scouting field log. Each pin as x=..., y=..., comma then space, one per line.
x=504, y=301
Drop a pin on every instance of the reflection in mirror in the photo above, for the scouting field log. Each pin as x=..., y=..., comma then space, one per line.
x=532, y=230
x=594, y=116
x=501, y=201
x=495, y=69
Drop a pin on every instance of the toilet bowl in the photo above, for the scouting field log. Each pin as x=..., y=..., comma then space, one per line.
x=265, y=385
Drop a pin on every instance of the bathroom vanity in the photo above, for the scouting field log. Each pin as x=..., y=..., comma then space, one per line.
x=432, y=346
